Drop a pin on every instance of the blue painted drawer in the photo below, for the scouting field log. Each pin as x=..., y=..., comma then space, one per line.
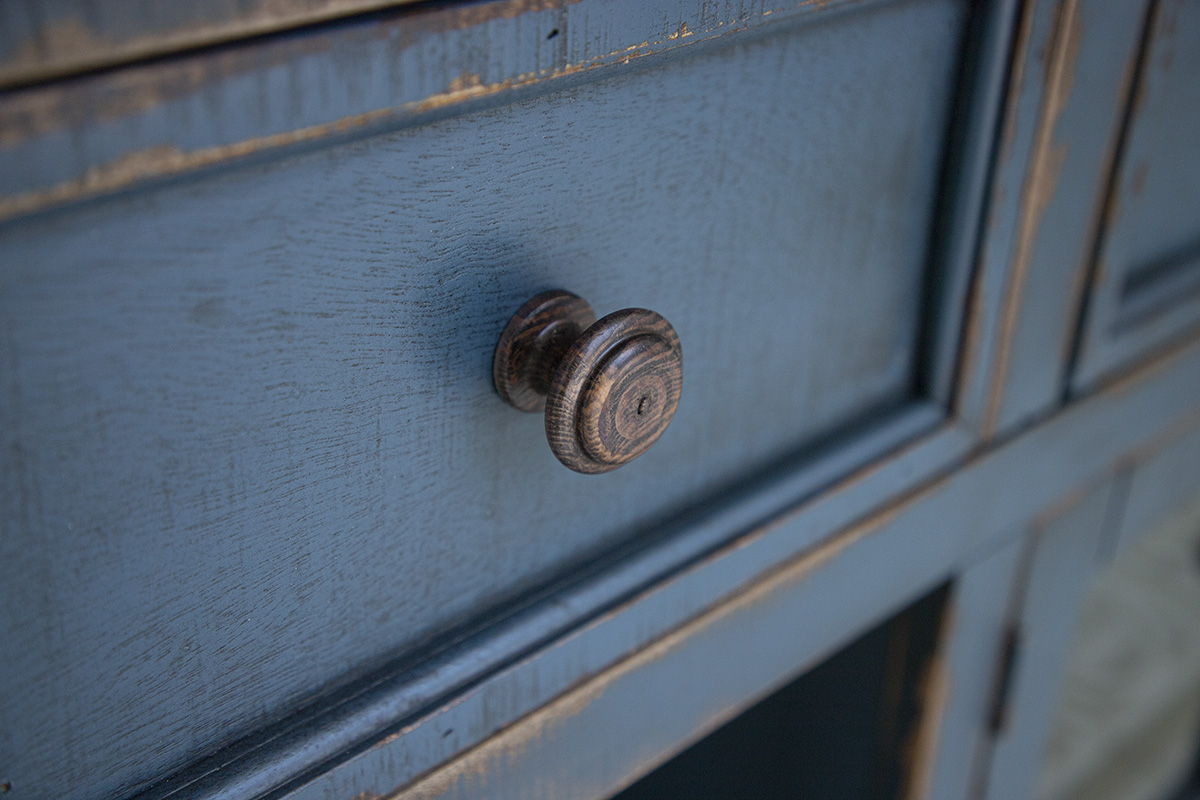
x=252, y=450
x=1147, y=287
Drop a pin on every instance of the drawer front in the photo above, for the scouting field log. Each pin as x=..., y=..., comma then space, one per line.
x=1147, y=289
x=50, y=38
x=253, y=446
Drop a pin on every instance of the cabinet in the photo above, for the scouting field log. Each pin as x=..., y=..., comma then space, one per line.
x=269, y=530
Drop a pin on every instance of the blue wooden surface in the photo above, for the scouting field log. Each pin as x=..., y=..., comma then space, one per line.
x=254, y=467
x=962, y=690
x=1063, y=553
x=256, y=450
x=41, y=39
x=1072, y=76
x=595, y=739
x=1147, y=287
x=294, y=90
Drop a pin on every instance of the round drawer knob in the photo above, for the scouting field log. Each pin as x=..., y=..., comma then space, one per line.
x=609, y=386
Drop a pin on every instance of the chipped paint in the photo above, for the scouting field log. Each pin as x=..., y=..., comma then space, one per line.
x=933, y=694
x=1040, y=184
x=504, y=747
x=167, y=160
x=126, y=94
x=69, y=46
x=682, y=32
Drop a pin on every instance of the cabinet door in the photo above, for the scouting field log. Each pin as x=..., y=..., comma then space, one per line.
x=1147, y=284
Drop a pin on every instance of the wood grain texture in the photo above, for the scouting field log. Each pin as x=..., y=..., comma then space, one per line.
x=609, y=387
x=252, y=450
x=107, y=131
x=41, y=39
x=1147, y=287
x=615, y=391
x=533, y=343
x=903, y=545
x=982, y=600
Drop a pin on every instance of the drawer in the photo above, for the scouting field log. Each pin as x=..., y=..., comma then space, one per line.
x=50, y=38
x=253, y=449
x=1147, y=287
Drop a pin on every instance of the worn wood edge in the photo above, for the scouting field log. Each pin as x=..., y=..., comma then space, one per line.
x=512, y=741
x=1083, y=300
x=1016, y=381
x=411, y=700
x=1100, y=349
x=986, y=296
x=77, y=49
x=736, y=564
x=982, y=608
x=131, y=92
x=1063, y=550
x=1039, y=184
x=1154, y=387
x=933, y=692
x=968, y=170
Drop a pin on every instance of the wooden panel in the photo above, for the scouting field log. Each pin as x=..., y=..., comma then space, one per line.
x=114, y=129
x=791, y=598
x=41, y=39
x=957, y=733
x=1072, y=78
x=1147, y=288
x=1064, y=551
x=253, y=448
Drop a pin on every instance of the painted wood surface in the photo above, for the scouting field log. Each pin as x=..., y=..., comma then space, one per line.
x=1063, y=554
x=957, y=730
x=41, y=39
x=844, y=729
x=905, y=548
x=115, y=129
x=254, y=451
x=1157, y=484
x=1071, y=81
x=1147, y=287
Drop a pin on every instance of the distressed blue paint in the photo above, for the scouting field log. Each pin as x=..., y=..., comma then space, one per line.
x=794, y=615
x=1078, y=64
x=321, y=85
x=1062, y=557
x=253, y=464
x=1147, y=288
x=50, y=38
x=257, y=450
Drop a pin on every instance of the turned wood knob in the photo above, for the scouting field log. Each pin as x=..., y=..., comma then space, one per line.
x=609, y=386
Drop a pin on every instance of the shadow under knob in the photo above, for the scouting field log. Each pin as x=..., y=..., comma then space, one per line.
x=609, y=387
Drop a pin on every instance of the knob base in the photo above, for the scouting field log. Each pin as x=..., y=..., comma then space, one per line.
x=534, y=342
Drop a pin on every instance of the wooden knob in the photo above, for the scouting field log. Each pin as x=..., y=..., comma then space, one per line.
x=609, y=387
